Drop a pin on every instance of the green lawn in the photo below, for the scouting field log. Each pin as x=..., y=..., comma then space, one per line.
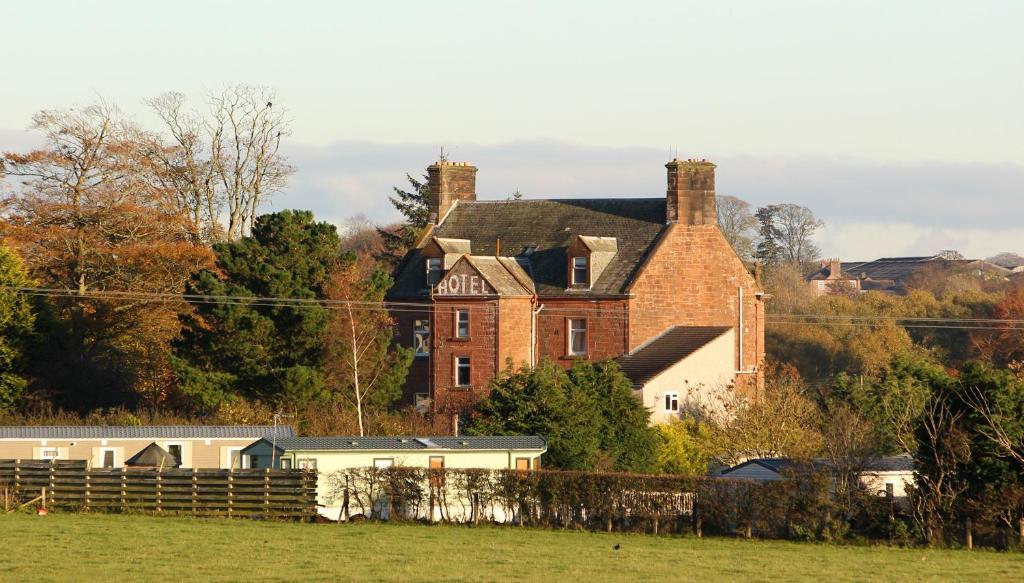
x=84, y=547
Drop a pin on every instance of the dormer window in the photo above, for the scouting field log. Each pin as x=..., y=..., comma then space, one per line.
x=580, y=271
x=434, y=267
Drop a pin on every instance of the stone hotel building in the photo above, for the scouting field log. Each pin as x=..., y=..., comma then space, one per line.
x=651, y=282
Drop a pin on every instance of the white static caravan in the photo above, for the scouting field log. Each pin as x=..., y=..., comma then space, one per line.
x=331, y=455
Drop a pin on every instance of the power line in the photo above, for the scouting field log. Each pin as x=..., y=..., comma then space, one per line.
x=614, y=313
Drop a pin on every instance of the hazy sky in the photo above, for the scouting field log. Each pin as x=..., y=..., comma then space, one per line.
x=900, y=123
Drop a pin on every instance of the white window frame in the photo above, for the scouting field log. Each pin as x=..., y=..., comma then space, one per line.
x=113, y=451
x=671, y=402
x=306, y=463
x=576, y=266
x=421, y=337
x=462, y=323
x=241, y=458
x=383, y=462
x=469, y=370
x=284, y=463
x=44, y=450
x=435, y=269
x=821, y=285
x=573, y=332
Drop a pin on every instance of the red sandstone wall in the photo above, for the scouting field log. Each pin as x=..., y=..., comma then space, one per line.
x=514, y=315
x=692, y=278
x=606, y=328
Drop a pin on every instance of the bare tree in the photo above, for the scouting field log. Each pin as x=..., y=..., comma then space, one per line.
x=226, y=163
x=738, y=224
x=994, y=425
x=795, y=228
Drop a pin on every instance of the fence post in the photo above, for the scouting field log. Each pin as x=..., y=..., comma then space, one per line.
x=266, y=491
x=159, y=490
x=657, y=517
x=968, y=534
x=195, y=490
x=53, y=480
x=17, y=475
x=1020, y=531
x=124, y=489
x=697, y=530
x=231, y=492
x=88, y=489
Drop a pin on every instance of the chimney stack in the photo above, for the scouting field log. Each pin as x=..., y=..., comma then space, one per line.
x=691, y=192
x=449, y=182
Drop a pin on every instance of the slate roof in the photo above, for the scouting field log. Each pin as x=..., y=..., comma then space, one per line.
x=550, y=225
x=152, y=456
x=356, y=443
x=503, y=273
x=144, y=431
x=894, y=269
x=895, y=463
x=656, y=356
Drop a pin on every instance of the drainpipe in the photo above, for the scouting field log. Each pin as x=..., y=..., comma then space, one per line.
x=740, y=327
x=533, y=336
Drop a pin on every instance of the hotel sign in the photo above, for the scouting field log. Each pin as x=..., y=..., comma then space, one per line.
x=463, y=284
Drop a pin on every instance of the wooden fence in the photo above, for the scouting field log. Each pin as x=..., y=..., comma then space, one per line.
x=71, y=484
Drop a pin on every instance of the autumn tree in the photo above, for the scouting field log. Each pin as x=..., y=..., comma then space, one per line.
x=226, y=162
x=1005, y=345
x=738, y=224
x=363, y=366
x=782, y=422
x=92, y=218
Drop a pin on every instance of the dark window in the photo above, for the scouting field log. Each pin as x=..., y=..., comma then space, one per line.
x=577, y=336
x=421, y=337
x=462, y=323
x=579, y=271
x=889, y=489
x=175, y=450
x=286, y=463
x=671, y=401
x=108, y=458
x=254, y=462
x=462, y=368
x=433, y=271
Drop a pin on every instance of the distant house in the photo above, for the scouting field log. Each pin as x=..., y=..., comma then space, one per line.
x=330, y=455
x=883, y=476
x=891, y=274
x=833, y=279
x=191, y=446
x=702, y=355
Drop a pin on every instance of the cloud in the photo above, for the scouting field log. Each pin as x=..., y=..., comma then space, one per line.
x=871, y=208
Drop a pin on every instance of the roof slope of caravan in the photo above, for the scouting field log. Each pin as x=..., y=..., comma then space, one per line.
x=145, y=431
x=374, y=443
x=541, y=230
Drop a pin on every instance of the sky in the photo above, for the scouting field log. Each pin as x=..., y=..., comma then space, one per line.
x=898, y=122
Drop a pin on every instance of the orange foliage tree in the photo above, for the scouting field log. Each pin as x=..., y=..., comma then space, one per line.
x=91, y=216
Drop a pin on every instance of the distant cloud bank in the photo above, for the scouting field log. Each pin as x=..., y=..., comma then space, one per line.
x=871, y=208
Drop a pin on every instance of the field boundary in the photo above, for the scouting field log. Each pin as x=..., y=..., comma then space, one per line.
x=72, y=484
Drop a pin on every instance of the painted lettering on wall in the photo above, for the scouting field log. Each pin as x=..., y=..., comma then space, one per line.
x=462, y=285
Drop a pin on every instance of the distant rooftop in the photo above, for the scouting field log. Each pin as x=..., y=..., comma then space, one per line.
x=145, y=431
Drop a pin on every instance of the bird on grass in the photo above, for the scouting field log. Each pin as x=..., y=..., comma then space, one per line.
x=617, y=546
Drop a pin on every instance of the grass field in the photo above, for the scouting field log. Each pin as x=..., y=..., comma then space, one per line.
x=83, y=547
